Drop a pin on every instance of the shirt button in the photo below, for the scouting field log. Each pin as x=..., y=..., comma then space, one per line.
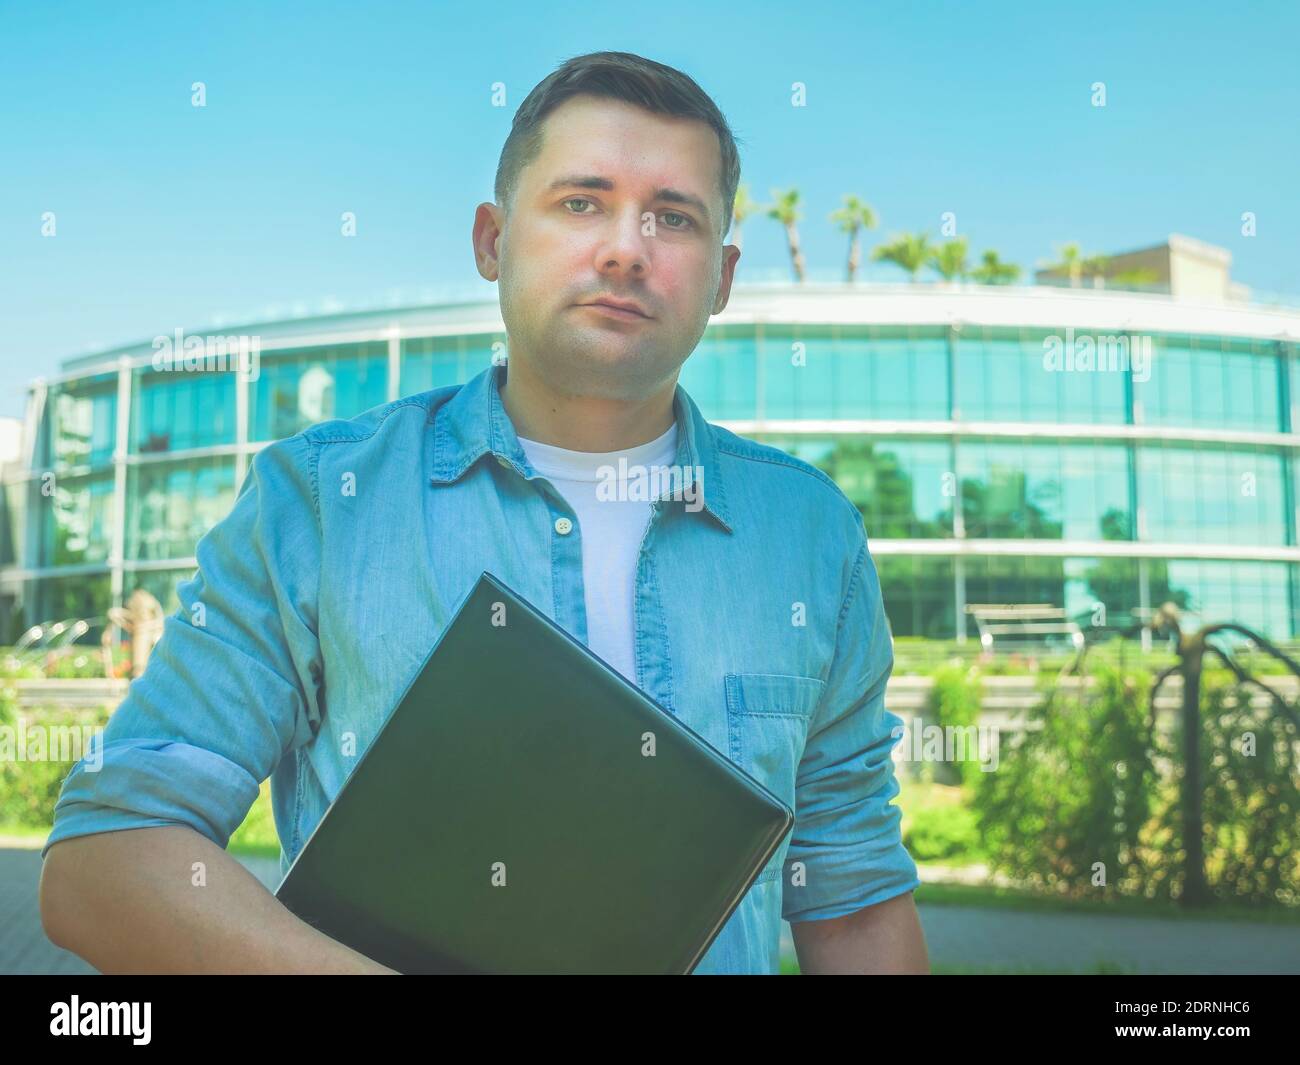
x=503, y=460
x=563, y=526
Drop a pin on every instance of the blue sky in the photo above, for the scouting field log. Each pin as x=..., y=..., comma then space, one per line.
x=169, y=215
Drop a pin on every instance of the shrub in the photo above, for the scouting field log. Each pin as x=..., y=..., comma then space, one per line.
x=938, y=833
x=29, y=789
x=1250, y=803
x=953, y=701
x=1074, y=791
x=1097, y=784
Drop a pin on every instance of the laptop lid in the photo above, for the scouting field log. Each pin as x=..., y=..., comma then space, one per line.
x=527, y=809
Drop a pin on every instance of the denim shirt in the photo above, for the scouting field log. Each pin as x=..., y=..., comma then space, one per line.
x=758, y=623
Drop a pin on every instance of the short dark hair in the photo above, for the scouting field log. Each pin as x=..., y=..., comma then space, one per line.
x=619, y=76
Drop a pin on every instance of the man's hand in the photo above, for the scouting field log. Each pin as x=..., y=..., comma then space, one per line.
x=127, y=902
x=879, y=939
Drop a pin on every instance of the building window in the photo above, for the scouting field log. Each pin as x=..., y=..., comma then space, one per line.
x=86, y=598
x=81, y=423
x=854, y=373
x=175, y=411
x=1211, y=383
x=1211, y=495
x=918, y=594
x=435, y=362
x=297, y=389
x=1044, y=491
x=1002, y=376
x=13, y=522
x=172, y=505
x=721, y=375
x=78, y=516
x=1097, y=593
x=161, y=584
x=903, y=488
x=1101, y=594
x=1253, y=594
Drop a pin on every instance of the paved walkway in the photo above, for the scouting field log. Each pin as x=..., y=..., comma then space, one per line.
x=959, y=937
x=986, y=938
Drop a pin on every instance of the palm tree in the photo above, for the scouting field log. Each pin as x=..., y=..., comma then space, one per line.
x=856, y=214
x=994, y=271
x=1070, y=264
x=785, y=209
x=744, y=206
x=1094, y=266
x=911, y=251
x=949, y=259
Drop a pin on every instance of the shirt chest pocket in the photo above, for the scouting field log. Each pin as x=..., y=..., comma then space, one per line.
x=768, y=715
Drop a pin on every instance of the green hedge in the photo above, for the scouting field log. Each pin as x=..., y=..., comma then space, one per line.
x=30, y=788
x=1095, y=794
x=953, y=701
x=943, y=833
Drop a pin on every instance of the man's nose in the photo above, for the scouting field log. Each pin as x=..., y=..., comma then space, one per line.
x=626, y=245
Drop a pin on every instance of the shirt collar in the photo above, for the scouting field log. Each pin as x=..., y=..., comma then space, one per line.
x=474, y=422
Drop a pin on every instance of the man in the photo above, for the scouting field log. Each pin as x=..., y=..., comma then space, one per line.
x=743, y=598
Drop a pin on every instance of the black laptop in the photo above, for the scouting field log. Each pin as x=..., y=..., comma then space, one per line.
x=527, y=809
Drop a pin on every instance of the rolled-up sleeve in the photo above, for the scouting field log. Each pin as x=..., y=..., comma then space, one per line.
x=846, y=849
x=233, y=683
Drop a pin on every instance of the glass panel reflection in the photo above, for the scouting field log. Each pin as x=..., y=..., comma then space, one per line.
x=1206, y=495
x=919, y=596
x=298, y=389
x=837, y=372
x=1100, y=594
x=721, y=375
x=1002, y=377
x=161, y=584
x=903, y=488
x=435, y=362
x=174, y=504
x=86, y=597
x=1252, y=593
x=81, y=423
x=1211, y=382
x=175, y=411
x=77, y=525
x=1045, y=491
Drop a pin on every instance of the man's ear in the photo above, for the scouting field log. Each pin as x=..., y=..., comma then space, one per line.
x=730, y=256
x=489, y=222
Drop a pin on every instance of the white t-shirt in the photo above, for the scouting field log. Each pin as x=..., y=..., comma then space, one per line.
x=611, y=531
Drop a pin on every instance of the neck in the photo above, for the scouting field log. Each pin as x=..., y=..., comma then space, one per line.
x=579, y=422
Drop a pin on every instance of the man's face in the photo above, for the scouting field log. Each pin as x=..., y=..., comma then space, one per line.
x=620, y=204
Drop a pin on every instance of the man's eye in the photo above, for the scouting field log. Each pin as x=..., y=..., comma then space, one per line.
x=685, y=221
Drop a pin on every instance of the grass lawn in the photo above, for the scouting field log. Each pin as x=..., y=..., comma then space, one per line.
x=255, y=838
x=22, y=836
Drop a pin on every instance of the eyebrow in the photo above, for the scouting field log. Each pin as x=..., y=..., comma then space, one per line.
x=666, y=195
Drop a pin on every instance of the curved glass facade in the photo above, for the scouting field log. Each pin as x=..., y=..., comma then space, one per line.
x=985, y=473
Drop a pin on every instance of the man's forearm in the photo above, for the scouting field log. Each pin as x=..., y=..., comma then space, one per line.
x=133, y=902
x=881, y=939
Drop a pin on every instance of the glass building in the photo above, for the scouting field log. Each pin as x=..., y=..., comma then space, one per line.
x=1103, y=452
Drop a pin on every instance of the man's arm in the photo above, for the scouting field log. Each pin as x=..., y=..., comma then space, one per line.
x=168, y=900
x=882, y=939
x=233, y=686
x=848, y=877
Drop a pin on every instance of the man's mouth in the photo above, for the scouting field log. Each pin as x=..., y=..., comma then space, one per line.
x=619, y=308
